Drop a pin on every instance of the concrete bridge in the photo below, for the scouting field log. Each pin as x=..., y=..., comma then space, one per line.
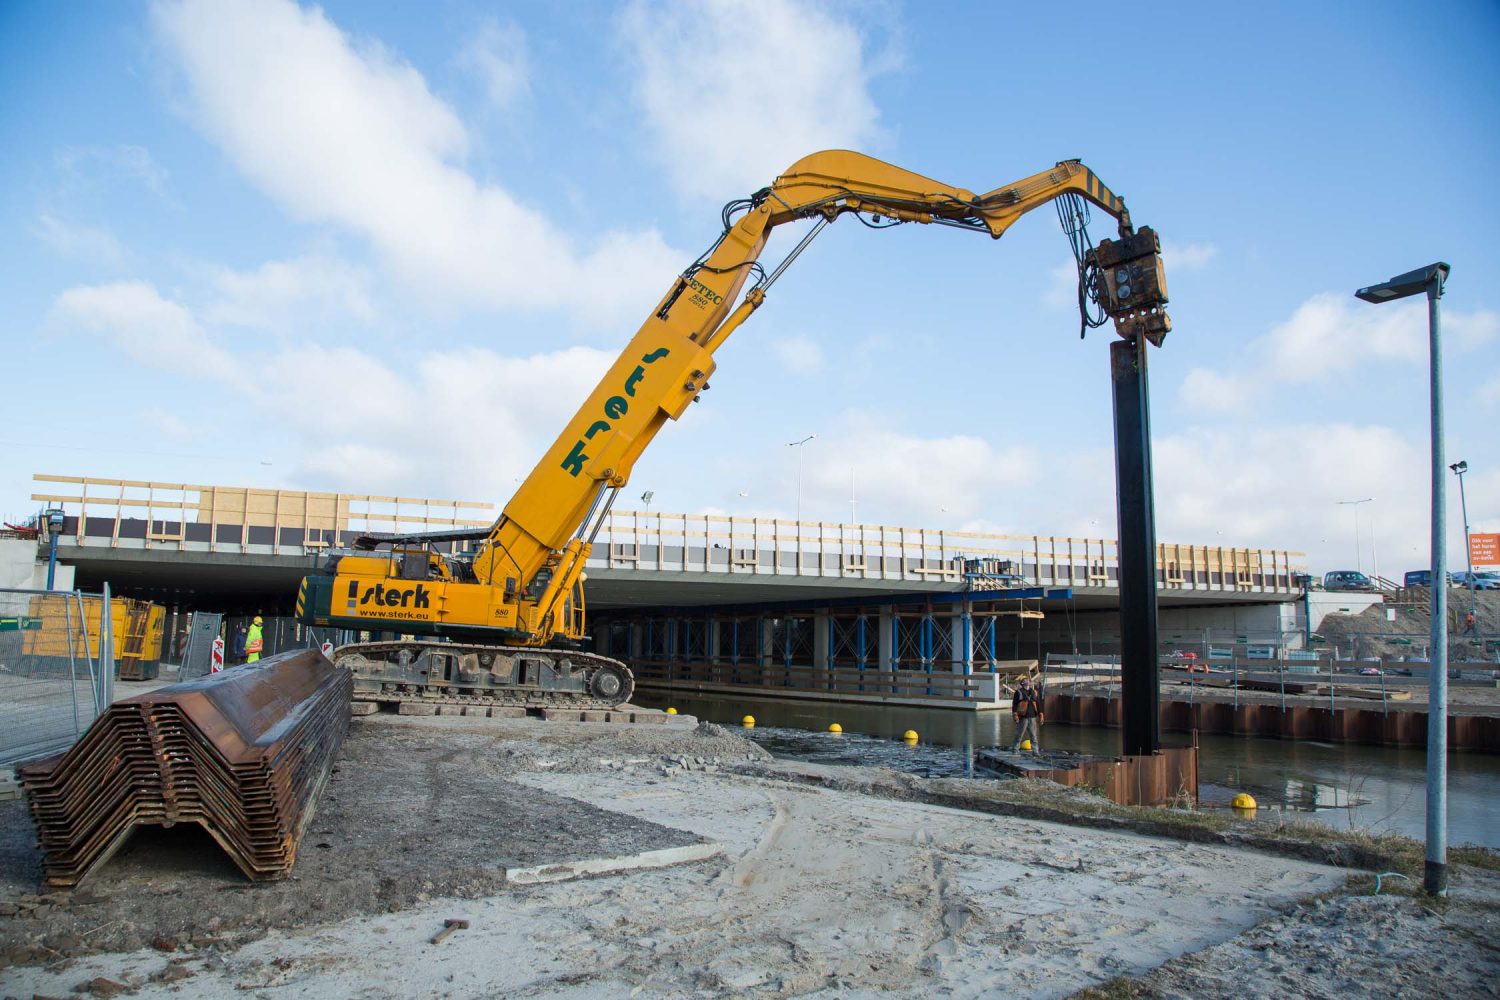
x=247, y=548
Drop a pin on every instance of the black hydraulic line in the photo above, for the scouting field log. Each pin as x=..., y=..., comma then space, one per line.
x=1139, y=681
x=603, y=515
x=796, y=252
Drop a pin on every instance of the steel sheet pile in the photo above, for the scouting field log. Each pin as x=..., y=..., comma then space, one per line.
x=244, y=753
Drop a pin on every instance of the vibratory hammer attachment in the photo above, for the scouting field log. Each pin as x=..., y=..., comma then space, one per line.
x=1134, y=287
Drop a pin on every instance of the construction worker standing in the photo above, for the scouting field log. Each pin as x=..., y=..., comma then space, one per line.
x=1026, y=706
x=253, y=641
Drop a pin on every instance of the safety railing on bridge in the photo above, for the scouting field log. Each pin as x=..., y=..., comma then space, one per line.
x=725, y=544
x=138, y=514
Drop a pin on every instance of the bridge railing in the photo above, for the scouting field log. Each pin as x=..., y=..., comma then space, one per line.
x=725, y=544
x=186, y=516
x=139, y=514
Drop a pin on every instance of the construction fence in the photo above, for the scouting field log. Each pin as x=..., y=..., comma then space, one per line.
x=57, y=656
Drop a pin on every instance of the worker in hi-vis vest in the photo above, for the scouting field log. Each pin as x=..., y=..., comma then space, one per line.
x=253, y=641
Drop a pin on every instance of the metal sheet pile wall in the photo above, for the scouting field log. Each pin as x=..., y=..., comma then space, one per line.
x=244, y=754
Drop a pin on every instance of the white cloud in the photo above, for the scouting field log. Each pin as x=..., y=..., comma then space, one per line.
x=1280, y=486
x=465, y=423
x=1470, y=330
x=734, y=92
x=133, y=162
x=1187, y=256
x=904, y=478
x=497, y=55
x=1062, y=285
x=150, y=329
x=1489, y=393
x=277, y=291
x=1328, y=334
x=1204, y=389
x=461, y=424
x=80, y=242
x=164, y=425
x=798, y=355
x=347, y=133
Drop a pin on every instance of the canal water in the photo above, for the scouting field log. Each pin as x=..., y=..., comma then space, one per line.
x=1344, y=785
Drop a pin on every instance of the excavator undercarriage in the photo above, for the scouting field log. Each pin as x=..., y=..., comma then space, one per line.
x=451, y=673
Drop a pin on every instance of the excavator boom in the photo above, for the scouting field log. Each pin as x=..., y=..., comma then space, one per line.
x=523, y=585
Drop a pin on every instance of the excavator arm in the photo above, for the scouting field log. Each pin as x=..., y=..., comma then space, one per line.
x=546, y=529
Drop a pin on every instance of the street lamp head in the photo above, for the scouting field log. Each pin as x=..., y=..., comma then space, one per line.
x=1459, y=467
x=1410, y=283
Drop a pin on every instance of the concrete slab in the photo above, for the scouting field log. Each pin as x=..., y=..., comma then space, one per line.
x=415, y=708
x=363, y=708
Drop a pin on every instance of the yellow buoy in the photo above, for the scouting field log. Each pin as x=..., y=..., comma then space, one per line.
x=834, y=727
x=748, y=722
x=1026, y=745
x=910, y=736
x=1243, y=801
x=671, y=711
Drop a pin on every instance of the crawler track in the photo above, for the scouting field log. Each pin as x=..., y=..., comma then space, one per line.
x=448, y=673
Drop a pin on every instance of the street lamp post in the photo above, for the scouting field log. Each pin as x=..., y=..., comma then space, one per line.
x=1459, y=468
x=1358, y=565
x=798, y=445
x=1429, y=280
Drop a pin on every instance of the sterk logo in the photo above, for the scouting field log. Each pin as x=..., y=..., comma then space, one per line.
x=395, y=597
x=615, y=407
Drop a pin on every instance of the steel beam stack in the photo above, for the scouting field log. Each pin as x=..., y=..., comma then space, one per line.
x=243, y=753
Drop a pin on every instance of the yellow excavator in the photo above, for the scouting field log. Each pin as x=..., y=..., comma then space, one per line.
x=507, y=623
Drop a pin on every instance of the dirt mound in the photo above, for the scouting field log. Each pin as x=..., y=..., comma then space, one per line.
x=1400, y=629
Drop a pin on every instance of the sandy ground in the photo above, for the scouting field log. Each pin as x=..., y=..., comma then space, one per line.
x=832, y=889
x=1391, y=945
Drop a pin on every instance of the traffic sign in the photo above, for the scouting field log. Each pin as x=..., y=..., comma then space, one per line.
x=216, y=656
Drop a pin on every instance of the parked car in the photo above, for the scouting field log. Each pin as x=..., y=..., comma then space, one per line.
x=1422, y=578
x=1482, y=580
x=1347, y=579
x=1370, y=671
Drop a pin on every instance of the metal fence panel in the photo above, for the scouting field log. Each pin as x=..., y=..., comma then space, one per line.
x=202, y=631
x=56, y=669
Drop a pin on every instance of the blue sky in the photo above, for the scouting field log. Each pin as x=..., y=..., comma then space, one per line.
x=389, y=247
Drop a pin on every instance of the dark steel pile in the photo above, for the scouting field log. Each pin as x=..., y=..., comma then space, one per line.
x=243, y=753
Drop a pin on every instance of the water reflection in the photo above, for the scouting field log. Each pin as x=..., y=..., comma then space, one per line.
x=1344, y=785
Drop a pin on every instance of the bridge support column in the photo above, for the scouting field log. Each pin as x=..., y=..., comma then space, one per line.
x=768, y=653
x=820, y=638
x=885, y=641
x=711, y=640
x=961, y=633
x=1139, y=683
x=635, y=641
